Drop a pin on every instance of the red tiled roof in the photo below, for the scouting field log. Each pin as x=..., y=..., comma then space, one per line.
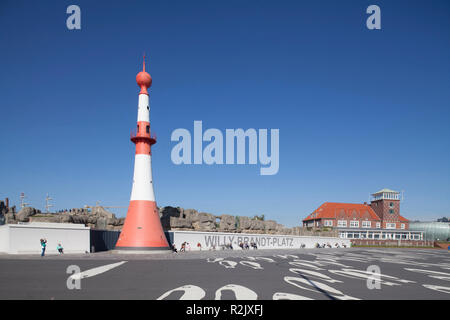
x=402, y=218
x=331, y=210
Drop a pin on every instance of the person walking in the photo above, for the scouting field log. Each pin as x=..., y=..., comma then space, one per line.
x=43, y=246
x=60, y=248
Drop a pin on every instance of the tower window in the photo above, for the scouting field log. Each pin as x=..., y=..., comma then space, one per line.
x=391, y=211
x=138, y=128
x=391, y=204
x=147, y=129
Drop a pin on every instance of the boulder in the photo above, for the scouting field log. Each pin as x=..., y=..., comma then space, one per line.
x=25, y=214
x=250, y=225
x=166, y=213
x=179, y=223
x=203, y=221
x=101, y=223
x=99, y=211
x=112, y=222
x=227, y=223
x=91, y=219
x=10, y=218
x=47, y=218
x=270, y=226
x=80, y=219
x=190, y=214
x=65, y=218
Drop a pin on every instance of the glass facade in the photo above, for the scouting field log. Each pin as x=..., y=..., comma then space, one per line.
x=432, y=230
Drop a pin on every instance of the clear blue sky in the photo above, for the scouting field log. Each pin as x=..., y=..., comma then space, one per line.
x=358, y=110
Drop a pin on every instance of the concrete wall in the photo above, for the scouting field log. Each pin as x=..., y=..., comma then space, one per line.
x=4, y=238
x=24, y=238
x=264, y=241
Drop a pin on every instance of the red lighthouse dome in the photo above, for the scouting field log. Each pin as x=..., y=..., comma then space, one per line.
x=144, y=80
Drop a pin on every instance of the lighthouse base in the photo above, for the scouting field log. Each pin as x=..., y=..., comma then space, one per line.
x=142, y=230
x=143, y=251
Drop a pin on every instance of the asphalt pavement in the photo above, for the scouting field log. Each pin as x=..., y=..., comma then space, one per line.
x=302, y=274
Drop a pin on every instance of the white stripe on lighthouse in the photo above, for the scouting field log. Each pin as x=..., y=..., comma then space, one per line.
x=143, y=108
x=142, y=180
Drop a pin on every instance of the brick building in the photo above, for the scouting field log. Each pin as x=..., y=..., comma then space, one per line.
x=380, y=219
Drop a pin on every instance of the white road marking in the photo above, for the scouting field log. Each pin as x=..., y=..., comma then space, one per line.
x=95, y=271
x=314, y=274
x=288, y=296
x=241, y=292
x=260, y=258
x=364, y=275
x=318, y=287
x=285, y=256
x=432, y=274
x=304, y=264
x=228, y=264
x=190, y=292
x=253, y=265
x=437, y=288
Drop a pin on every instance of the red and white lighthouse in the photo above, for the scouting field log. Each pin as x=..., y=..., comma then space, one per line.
x=142, y=230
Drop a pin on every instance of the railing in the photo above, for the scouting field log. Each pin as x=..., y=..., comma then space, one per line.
x=133, y=135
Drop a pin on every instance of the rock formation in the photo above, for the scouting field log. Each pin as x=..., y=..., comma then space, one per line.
x=25, y=214
x=172, y=218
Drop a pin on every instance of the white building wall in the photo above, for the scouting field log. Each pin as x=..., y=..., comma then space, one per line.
x=4, y=238
x=25, y=238
x=264, y=241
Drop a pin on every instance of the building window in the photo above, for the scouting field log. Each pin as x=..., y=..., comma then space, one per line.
x=378, y=225
x=147, y=129
x=354, y=224
x=390, y=226
x=391, y=204
x=402, y=226
x=138, y=128
x=391, y=211
x=328, y=223
x=366, y=224
x=342, y=223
